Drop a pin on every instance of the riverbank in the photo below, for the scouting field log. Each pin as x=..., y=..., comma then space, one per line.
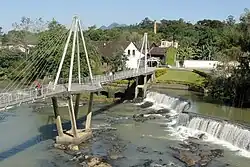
x=191, y=80
x=126, y=134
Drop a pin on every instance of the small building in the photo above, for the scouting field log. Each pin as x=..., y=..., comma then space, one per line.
x=156, y=55
x=130, y=49
x=167, y=44
x=18, y=47
x=134, y=55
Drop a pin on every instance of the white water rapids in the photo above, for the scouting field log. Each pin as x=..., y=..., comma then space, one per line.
x=234, y=137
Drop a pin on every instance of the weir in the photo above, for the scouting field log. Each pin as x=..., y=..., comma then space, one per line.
x=232, y=132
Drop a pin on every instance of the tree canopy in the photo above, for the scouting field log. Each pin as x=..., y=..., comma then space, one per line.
x=207, y=39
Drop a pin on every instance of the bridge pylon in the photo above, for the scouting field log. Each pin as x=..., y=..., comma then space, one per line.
x=73, y=136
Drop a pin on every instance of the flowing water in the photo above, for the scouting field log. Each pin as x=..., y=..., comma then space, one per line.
x=27, y=136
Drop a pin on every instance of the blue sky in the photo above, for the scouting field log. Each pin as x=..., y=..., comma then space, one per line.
x=104, y=12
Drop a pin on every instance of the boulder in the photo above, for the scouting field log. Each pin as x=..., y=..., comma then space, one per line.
x=147, y=104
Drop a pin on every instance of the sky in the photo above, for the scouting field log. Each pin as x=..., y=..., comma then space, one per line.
x=105, y=12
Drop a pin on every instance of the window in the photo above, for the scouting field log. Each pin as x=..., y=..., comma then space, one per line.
x=128, y=52
x=133, y=52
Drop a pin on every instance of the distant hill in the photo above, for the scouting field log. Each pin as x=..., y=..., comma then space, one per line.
x=113, y=25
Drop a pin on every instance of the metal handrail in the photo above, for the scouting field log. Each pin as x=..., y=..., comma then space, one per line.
x=24, y=95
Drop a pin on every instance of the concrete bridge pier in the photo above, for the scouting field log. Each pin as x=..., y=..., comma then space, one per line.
x=74, y=136
x=141, y=84
x=89, y=114
x=77, y=102
x=57, y=117
x=136, y=87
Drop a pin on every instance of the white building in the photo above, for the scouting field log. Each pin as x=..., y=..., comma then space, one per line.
x=167, y=44
x=18, y=47
x=133, y=56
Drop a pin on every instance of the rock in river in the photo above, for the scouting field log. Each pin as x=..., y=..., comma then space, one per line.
x=194, y=153
x=147, y=104
x=142, y=118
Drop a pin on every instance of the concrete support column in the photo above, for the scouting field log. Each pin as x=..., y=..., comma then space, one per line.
x=145, y=79
x=89, y=114
x=152, y=78
x=136, y=87
x=144, y=86
x=57, y=117
x=72, y=116
x=77, y=105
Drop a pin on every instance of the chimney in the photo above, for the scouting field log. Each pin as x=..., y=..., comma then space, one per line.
x=155, y=26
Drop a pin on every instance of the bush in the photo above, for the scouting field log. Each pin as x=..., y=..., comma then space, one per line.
x=119, y=82
x=171, y=52
x=160, y=72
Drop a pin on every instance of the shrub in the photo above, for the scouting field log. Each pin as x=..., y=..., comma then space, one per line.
x=122, y=82
x=171, y=52
x=160, y=72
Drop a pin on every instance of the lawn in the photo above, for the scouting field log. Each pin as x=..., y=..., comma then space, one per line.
x=179, y=76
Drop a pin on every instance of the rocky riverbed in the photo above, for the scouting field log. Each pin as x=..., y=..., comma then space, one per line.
x=108, y=148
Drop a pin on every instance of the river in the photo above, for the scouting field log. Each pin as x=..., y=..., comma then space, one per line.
x=27, y=135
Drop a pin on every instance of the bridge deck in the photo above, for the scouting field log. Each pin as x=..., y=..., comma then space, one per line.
x=30, y=95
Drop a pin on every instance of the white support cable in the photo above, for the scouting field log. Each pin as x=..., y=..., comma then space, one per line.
x=38, y=62
x=72, y=56
x=46, y=65
x=64, y=54
x=78, y=55
x=30, y=57
x=86, y=52
x=138, y=66
x=54, y=64
x=58, y=45
x=23, y=70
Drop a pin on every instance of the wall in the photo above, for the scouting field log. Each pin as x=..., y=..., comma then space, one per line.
x=132, y=61
x=202, y=64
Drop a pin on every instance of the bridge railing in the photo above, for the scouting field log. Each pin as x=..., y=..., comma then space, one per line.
x=109, y=78
x=20, y=96
x=25, y=95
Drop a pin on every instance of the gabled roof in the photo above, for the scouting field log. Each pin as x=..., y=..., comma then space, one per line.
x=107, y=48
x=157, y=51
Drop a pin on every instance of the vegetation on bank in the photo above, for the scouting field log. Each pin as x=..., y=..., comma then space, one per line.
x=226, y=41
x=171, y=54
x=188, y=78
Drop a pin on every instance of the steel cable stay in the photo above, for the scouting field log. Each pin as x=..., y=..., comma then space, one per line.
x=46, y=65
x=21, y=97
x=49, y=69
x=11, y=84
x=35, y=61
x=39, y=62
x=51, y=66
x=29, y=59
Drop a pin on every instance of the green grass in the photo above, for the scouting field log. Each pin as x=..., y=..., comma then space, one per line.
x=177, y=76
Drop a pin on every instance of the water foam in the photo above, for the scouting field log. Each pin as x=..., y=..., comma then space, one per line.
x=228, y=135
x=162, y=101
x=234, y=137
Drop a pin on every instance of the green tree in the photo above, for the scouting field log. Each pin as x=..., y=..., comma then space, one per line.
x=118, y=60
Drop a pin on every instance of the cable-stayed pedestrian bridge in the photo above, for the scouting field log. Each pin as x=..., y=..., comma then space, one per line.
x=51, y=62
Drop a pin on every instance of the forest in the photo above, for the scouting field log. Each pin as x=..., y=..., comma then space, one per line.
x=223, y=40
